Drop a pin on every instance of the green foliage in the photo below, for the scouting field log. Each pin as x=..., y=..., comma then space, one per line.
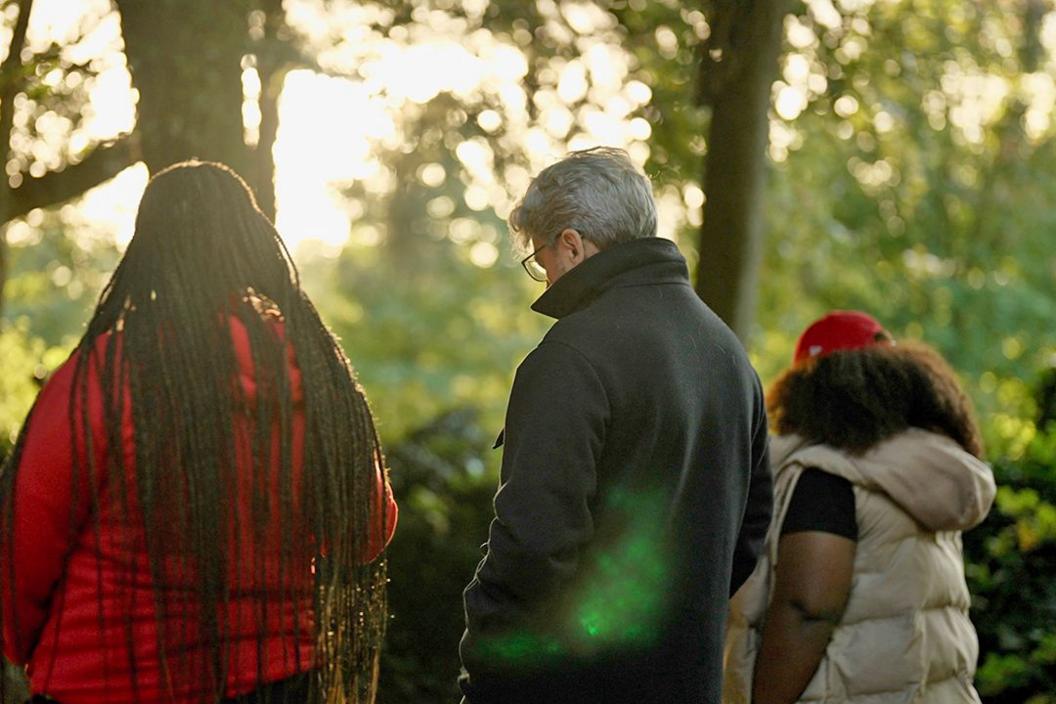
x=1011, y=560
x=15, y=689
x=922, y=158
x=18, y=383
x=429, y=298
x=429, y=332
x=666, y=40
x=55, y=279
x=444, y=477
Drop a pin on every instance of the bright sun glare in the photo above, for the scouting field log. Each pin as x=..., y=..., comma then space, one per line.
x=330, y=126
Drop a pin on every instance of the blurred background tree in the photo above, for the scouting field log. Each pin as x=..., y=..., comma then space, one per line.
x=891, y=155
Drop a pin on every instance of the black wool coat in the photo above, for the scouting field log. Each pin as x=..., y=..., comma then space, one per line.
x=634, y=496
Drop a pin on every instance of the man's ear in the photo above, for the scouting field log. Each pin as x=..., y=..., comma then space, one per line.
x=573, y=241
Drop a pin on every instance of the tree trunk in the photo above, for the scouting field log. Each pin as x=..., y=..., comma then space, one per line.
x=262, y=175
x=185, y=57
x=11, y=75
x=737, y=69
x=272, y=67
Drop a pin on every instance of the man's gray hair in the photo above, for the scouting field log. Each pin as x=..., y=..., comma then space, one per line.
x=597, y=192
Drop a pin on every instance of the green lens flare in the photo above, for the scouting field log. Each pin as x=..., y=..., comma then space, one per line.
x=615, y=604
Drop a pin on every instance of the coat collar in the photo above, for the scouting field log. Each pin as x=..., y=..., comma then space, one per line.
x=649, y=260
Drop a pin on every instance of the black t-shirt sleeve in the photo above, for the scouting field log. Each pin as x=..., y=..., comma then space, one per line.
x=821, y=502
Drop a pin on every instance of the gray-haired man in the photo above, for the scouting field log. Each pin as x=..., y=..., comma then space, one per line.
x=635, y=491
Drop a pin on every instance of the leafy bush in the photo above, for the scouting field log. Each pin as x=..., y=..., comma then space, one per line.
x=1011, y=562
x=20, y=376
x=444, y=483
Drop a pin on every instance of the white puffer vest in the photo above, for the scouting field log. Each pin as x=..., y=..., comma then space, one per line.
x=905, y=635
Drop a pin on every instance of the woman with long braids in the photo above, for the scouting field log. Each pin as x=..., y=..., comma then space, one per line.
x=860, y=594
x=195, y=506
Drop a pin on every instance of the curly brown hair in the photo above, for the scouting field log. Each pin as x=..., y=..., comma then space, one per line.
x=853, y=399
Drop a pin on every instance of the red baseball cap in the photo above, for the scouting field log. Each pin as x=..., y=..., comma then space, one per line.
x=839, y=330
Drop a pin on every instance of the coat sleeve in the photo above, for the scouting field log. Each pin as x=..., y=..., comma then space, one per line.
x=46, y=512
x=759, y=506
x=555, y=431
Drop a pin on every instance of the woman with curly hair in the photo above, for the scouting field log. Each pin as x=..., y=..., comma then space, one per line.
x=860, y=594
x=194, y=506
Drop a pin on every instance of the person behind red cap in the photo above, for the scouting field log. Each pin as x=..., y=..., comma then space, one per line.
x=860, y=590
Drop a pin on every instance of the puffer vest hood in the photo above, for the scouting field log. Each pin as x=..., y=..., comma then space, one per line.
x=905, y=635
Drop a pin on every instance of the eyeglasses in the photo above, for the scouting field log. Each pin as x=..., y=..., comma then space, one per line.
x=534, y=268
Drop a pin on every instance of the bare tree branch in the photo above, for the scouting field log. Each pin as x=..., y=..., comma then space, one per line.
x=103, y=163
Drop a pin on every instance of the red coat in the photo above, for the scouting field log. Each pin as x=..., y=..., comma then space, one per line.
x=74, y=643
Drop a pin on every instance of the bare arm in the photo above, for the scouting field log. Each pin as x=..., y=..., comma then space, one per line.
x=812, y=585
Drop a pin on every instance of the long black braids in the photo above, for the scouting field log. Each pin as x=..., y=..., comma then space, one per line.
x=203, y=255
